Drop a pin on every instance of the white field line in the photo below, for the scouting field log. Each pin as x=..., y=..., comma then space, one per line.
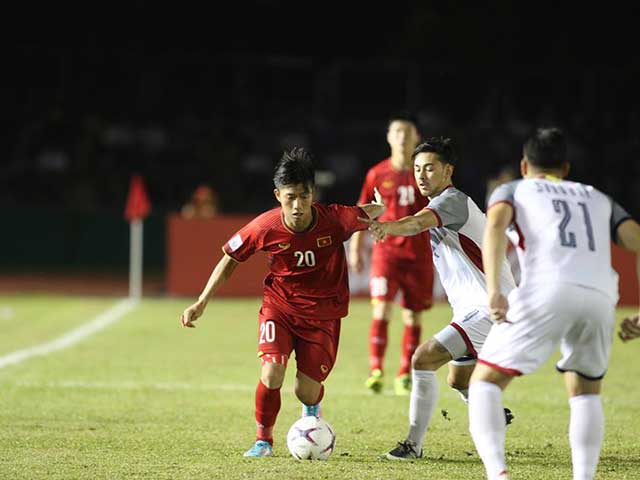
x=447, y=394
x=72, y=337
x=132, y=385
x=170, y=387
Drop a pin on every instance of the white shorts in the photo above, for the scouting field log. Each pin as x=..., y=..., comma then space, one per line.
x=579, y=319
x=465, y=335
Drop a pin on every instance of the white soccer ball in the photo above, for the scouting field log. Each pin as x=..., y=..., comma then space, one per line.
x=311, y=438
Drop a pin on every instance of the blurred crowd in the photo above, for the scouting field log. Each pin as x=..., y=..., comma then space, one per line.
x=214, y=132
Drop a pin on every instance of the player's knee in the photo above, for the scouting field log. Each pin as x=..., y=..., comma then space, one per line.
x=577, y=385
x=272, y=377
x=272, y=381
x=411, y=318
x=427, y=356
x=382, y=310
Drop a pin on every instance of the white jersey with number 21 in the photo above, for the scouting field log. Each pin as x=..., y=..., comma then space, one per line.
x=560, y=232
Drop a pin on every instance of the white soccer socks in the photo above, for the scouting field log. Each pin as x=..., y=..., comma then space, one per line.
x=586, y=431
x=422, y=403
x=487, y=427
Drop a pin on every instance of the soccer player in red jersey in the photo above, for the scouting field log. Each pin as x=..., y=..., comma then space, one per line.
x=306, y=292
x=399, y=263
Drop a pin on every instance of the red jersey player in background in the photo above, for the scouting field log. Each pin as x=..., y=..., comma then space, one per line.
x=398, y=263
x=306, y=292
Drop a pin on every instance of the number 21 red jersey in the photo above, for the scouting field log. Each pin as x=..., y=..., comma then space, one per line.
x=402, y=198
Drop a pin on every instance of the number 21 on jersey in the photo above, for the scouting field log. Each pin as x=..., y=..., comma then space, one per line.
x=406, y=195
x=568, y=238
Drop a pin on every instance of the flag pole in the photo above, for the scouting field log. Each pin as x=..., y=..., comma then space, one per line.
x=138, y=207
x=135, y=259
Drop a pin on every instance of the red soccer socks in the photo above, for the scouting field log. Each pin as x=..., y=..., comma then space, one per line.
x=267, y=408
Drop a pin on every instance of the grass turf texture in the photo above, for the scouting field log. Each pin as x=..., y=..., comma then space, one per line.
x=145, y=398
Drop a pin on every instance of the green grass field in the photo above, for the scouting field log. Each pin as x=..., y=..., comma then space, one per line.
x=145, y=398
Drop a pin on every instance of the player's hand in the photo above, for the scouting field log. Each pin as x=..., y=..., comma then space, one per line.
x=192, y=313
x=376, y=228
x=629, y=328
x=498, y=307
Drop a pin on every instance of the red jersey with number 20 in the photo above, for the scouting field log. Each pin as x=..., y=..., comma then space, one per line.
x=308, y=270
x=402, y=198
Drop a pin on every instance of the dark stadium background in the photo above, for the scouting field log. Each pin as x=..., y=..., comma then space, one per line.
x=185, y=94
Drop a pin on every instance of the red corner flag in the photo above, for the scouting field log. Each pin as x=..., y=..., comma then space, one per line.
x=138, y=205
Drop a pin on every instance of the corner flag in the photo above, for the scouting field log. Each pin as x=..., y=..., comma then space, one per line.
x=138, y=207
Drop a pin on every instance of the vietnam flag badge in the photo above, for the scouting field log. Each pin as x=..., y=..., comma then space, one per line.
x=323, y=241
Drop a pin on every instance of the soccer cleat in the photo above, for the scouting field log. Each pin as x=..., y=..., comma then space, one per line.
x=402, y=385
x=375, y=382
x=508, y=416
x=405, y=450
x=261, y=448
x=311, y=410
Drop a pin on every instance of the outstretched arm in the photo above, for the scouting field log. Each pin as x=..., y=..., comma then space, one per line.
x=628, y=235
x=404, y=227
x=221, y=273
x=494, y=246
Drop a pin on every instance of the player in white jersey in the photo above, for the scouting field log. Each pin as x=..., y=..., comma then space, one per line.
x=456, y=225
x=567, y=298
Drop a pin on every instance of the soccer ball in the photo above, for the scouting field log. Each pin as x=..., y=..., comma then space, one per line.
x=311, y=438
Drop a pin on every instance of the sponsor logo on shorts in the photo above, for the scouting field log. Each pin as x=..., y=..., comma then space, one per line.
x=324, y=241
x=469, y=316
x=324, y=368
x=284, y=245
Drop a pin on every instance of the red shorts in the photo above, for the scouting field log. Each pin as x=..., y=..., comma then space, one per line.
x=414, y=280
x=314, y=341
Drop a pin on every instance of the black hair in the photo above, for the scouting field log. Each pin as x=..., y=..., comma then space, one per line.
x=294, y=167
x=442, y=146
x=546, y=148
x=403, y=117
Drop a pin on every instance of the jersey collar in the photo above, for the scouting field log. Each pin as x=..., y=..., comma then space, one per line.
x=312, y=225
x=552, y=178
